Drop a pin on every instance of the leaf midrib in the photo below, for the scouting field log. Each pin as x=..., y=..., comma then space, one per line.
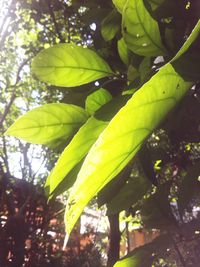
x=73, y=67
x=48, y=125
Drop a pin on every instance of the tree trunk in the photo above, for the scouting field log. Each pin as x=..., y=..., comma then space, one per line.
x=114, y=242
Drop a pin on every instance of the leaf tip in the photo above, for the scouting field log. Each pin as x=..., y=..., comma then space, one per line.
x=65, y=241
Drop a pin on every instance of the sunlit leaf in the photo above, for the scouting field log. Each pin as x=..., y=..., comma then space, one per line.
x=97, y=99
x=82, y=142
x=124, y=136
x=47, y=123
x=140, y=30
x=69, y=65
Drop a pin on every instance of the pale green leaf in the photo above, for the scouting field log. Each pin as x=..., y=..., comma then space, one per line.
x=97, y=99
x=123, y=51
x=69, y=65
x=82, y=142
x=111, y=25
x=48, y=123
x=140, y=31
x=119, y=4
x=124, y=136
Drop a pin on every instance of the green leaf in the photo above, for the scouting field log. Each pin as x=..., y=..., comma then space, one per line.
x=134, y=189
x=48, y=123
x=123, y=51
x=69, y=65
x=140, y=31
x=65, y=183
x=145, y=255
x=111, y=25
x=190, y=187
x=97, y=99
x=156, y=210
x=155, y=3
x=82, y=142
x=124, y=136
x=119, y=4
x=193, y=36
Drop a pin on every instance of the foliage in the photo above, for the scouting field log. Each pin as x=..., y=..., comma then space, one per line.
x=154, y=56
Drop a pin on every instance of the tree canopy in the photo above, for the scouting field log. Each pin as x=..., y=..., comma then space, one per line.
x=114, y=91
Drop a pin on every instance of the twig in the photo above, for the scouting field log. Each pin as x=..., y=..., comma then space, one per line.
x=13, y=96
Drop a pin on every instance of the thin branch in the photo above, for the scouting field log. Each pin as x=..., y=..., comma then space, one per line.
x=13, y=96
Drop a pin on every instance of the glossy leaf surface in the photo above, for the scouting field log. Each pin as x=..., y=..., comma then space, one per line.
x=48, y=123
x=69, y=65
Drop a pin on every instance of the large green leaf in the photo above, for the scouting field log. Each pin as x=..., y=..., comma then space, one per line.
x=97, y=99
x=124, y=136
x=145, y=255
x=48, y=123
x=140, y=30
x=81, y=143
x=69, y=65
x=111, y=25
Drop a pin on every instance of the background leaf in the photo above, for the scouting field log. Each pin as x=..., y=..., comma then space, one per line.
x=69, y=65
x=143, y=256
x=140, y=31
x=97, y=99
x=111, y=25
x=123, y=51
x=48, y=123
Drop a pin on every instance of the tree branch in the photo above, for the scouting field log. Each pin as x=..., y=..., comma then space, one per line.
x=13, y=96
